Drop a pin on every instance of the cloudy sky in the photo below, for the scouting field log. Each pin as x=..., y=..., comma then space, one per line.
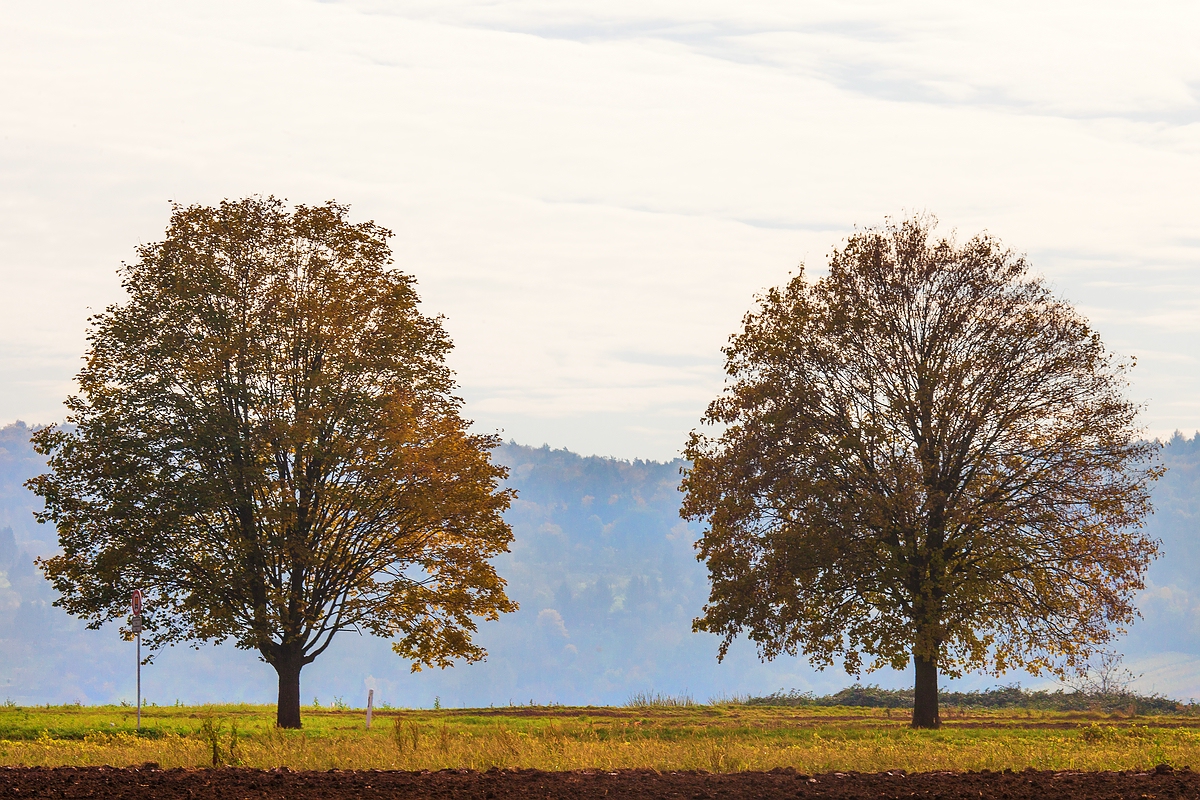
x=592, y=193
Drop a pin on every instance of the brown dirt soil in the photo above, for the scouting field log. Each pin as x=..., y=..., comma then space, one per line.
x=150, y=782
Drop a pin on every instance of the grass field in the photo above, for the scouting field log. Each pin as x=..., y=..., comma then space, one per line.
x=717, y=738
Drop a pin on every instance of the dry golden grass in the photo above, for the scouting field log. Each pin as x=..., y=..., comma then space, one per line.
x=719, y=739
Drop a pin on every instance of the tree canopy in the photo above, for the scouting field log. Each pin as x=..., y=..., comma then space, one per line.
x=922, y=455
x=266, y=442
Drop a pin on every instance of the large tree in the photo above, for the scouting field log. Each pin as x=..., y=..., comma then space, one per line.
x=923, y=455
x=266, y=442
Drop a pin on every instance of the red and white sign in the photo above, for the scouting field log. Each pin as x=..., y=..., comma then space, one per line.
x=137, y=602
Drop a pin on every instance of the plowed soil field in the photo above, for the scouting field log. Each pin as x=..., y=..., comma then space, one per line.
x=150, y=782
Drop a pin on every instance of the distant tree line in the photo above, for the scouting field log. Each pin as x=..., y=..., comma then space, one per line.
x=999, y=697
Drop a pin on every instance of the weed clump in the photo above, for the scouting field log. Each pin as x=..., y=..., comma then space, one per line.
x=223, y=753
x=406, y=735
x=659, y=700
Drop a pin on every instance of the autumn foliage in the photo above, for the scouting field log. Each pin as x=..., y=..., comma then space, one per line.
x=924, y=455
x=266, y=442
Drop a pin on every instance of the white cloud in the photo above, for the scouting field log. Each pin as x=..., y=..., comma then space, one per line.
x=1175, y=675
x=592, y=193
x=550, y=620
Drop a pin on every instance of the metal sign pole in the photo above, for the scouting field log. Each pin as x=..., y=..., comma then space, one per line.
x=137, y=631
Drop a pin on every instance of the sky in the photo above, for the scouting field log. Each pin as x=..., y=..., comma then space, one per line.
x=593, y=193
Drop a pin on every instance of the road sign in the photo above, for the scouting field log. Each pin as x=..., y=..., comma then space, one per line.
x=137, y=602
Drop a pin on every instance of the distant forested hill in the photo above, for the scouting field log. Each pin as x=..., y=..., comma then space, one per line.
x=603, y=566
x=18, y=463
x=44, y=653
x=1165, y=645
x=608, y=584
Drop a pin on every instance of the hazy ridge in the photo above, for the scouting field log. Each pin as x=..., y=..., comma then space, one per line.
x=608, y=584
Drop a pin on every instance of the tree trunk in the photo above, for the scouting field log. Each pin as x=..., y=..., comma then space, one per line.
x=925, y=694
x=287, y=712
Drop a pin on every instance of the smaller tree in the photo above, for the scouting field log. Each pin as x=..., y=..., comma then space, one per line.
x=1104, y=674
x=926, y=456
x=266, y=442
